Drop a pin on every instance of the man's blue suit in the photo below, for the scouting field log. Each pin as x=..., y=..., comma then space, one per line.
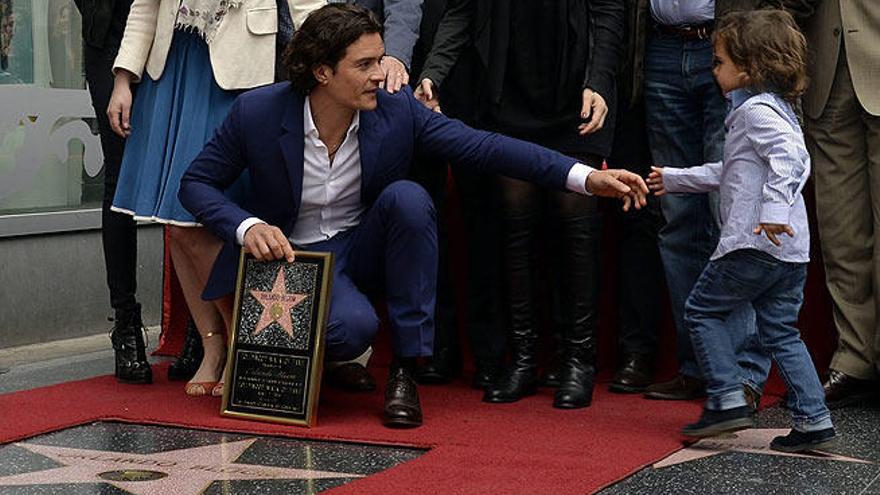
x=394, y=248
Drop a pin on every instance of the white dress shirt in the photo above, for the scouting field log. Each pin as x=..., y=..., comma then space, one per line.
x=331, y=192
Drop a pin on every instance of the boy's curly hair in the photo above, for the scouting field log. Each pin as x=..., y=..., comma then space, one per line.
x=323, y=39
x=768, y=46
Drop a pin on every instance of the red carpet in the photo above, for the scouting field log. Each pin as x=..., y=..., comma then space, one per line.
x=527, y=447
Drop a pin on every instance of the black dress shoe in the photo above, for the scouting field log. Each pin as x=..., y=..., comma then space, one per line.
x=842, y=390
x=186, y=365
x=351, y=377
x=576, y=385
x=440, y=368
x=402, y=408
x=634, y=374
x=682, y=387
x=800, y=441
x=713, y=423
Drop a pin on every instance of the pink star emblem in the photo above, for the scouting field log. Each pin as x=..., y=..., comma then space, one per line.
x=277, y=305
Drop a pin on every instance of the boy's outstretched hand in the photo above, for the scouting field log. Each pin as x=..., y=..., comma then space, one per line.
x=772, y=230
x=655, y=181
x=621, y=184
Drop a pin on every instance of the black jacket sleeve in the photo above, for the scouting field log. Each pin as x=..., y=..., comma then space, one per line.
x=453, y=33
x=606, y=25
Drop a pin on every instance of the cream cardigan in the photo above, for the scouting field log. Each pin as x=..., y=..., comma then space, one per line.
x=242, y=52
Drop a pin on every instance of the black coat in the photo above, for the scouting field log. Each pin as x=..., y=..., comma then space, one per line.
x=103, y=21
x=509, y=91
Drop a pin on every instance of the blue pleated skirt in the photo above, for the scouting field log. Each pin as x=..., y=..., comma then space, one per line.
x=171, y=120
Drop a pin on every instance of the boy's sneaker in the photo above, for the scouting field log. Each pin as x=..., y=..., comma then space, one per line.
x=717, y=422
x=800, y=441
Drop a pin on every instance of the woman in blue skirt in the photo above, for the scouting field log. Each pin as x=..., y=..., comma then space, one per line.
x=198, y=55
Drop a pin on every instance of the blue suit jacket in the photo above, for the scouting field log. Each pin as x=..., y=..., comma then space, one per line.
x=264, y=135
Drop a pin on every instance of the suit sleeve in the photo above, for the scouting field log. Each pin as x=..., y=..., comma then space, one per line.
x=487, y=152
x=140, y=29
x=452, y=35
x=402, y=20
x=606, y=17
x=219, y=164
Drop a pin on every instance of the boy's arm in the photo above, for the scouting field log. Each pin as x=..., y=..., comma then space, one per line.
x=789, y=165
x=700, y=179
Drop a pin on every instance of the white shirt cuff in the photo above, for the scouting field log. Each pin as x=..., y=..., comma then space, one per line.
x=577, y=178
x=243, y=228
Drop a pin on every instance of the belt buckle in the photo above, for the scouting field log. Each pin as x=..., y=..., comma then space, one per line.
x=702, y=32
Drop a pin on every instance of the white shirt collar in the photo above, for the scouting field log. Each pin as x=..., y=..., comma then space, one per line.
x=312, y=130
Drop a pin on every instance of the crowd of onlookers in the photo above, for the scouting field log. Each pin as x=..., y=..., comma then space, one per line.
x=705, y=99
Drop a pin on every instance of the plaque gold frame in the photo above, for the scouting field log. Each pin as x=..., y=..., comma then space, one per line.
x=315, y=355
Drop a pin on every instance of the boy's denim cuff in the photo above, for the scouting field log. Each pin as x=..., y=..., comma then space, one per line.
x=778, y=213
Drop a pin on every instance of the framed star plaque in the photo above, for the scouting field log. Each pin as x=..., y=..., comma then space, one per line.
x=276, y=349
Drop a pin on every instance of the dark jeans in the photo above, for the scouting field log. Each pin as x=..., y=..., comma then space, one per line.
x=118, y=230
x=393, y=252
x=775, y=289
x=685, y=115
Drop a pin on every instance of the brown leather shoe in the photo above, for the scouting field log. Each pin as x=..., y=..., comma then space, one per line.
x=842, y=390
x=402, y=407
x=682, y=387
x=753, y=398
x=352, y=377
x=634, y=374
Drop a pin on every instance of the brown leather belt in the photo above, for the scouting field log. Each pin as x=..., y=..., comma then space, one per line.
x=696, y=32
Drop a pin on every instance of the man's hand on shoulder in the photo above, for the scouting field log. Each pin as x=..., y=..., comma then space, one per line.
x=396, y=75
x=266, y=242
x=621, y=184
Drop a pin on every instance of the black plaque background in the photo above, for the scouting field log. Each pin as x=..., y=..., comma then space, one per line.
x=272, y=376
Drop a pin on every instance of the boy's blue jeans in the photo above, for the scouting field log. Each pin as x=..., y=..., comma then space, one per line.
x=775, y=289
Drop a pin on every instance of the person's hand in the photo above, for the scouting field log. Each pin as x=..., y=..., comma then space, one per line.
x=772, y=230
x=593, y=108
x=119, y=108
x=621, y=184
x=427, y=96
x=395, y=74
x=655, y=181
x=267, y=242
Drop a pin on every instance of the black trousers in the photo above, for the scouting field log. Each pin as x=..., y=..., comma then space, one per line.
x=640, y=271
x=478, y=205
x=118, y=230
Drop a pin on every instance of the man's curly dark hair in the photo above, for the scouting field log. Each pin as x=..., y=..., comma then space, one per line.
x=322, y=40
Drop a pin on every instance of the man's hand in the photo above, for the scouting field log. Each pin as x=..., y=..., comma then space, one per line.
x=395, y=74
x=655, y=181
x=267, y=242
x=593, y=108
x=119, y=108
x=772, y=230
x=425, y=93
x=621, y=184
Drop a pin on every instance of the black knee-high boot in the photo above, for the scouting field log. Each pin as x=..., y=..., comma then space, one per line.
x=579, y=277
x=521, y=377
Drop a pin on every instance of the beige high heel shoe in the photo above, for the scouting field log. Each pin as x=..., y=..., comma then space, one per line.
x=200, y=389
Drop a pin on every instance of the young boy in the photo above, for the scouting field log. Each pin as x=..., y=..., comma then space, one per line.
x=760, y=65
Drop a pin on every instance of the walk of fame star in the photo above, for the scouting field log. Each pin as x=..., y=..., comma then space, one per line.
x=178, y=472
x=277, y=304
x=752, y=441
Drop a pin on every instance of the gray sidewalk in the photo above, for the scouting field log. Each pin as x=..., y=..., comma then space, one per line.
x=38, y=365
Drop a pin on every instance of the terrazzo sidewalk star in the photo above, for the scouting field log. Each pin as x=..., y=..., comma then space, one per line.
x=180, y=472
x=752, y=441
